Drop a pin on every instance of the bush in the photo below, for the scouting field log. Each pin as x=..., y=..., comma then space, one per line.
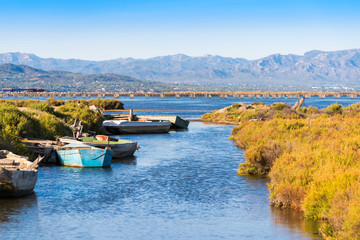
x=106, y=104
x=233, y=107
x=334, y=109
x=52, y=127
x=206, y=116
x=91, y=121
x=41, y=106
x=279, y=106
x=247, y=115
x=257, y=103
x=53, y=102
x=13, y=122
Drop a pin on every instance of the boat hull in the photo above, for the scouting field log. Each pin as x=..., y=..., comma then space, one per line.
x=120, y=149
x=176, y=121
x=138, y=127
x=17, y=183
x=85, y=158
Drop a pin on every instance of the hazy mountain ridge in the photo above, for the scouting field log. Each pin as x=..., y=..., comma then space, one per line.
x=23, y=76
x=314, y=68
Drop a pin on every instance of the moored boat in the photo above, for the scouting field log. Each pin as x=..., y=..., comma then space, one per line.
x=176, y=121
x=131, y=127
x=83, y=156
x=18, y=176
x=121, y=148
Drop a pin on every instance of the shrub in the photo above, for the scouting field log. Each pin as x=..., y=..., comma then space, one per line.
x=53, y=102
x=233, y=107
x=13, y=122
x=206, y=116
x=72, y=110
x=279, y=115
x=279, y=106
x=334, y=109
x=106, y=104
x=257, y=103
x=41, y=106
x=52, y=127
x=247, y=115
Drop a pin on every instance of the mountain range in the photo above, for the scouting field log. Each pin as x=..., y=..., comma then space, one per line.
x=23, y=76
x=314, y=69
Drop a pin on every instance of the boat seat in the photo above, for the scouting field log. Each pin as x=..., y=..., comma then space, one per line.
x=6, y=161
x=10, y=167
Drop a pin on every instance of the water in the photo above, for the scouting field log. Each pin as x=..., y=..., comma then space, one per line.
x=181, y=185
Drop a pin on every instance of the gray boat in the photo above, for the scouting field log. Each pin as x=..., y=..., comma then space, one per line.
x=135, y=127
x=176, y=121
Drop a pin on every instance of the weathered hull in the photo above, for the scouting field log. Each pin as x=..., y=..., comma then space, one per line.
x=176, y=121
x=84, y=158
x=17, y=183
x=135, y=127
x=119, y=150
x=138, y=130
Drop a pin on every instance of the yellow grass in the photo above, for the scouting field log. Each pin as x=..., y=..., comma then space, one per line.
x=312, y=158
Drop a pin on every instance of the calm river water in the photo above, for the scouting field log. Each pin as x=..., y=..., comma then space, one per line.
x=181, y=185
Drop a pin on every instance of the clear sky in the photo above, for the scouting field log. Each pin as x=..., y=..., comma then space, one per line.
x=108, y=29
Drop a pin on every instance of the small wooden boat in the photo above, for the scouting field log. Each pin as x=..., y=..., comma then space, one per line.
x=176, y=121
x=18, y=176
x=131, y=127
x=120, y=148
x=83, y=156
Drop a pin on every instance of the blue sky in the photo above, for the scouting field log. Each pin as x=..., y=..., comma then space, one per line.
x=108, y=29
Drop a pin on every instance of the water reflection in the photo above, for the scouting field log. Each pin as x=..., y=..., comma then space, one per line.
x=130, y=160
x=294, y=220
x=12, y=207
x=179, y=129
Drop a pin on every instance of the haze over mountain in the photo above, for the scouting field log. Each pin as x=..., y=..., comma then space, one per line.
x=313, y=69
x=22, y=76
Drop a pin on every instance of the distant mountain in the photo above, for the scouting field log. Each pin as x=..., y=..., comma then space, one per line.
x=22, y=76
x=313, y=69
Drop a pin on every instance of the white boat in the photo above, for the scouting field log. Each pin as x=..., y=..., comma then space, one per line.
x=121, y=148
x=18, y=176
x=130, y=127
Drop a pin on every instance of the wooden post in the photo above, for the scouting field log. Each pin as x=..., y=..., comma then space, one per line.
x=130, y=115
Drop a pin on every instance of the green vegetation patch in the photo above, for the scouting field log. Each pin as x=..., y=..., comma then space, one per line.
x=49, y=120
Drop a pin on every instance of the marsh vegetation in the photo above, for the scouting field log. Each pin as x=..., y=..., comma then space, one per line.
x=311, y=157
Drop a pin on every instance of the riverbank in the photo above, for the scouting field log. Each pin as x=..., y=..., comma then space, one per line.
x=310, y=156
x=48, y=119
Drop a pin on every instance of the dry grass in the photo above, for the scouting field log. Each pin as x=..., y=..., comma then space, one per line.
x=312, y=158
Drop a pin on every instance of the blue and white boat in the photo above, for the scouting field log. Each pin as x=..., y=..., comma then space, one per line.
x=84, y=156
